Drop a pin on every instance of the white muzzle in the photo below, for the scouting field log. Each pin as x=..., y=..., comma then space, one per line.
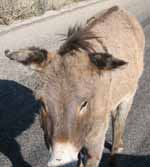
x=63, y=153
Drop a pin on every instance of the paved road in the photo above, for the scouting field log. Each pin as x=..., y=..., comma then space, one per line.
x=21, y=141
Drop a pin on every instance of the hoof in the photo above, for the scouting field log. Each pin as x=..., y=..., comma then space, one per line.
x=117, y=150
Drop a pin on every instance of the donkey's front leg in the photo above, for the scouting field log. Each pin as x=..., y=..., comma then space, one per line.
x=119, y=119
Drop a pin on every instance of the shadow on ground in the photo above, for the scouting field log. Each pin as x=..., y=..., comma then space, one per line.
x=122, y=160
x=18, y=109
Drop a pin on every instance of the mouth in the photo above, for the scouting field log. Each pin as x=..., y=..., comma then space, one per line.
x=67, y=161
x=63, y=154
x=83, y=157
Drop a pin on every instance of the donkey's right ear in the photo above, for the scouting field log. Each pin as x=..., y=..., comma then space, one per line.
x=36, y=58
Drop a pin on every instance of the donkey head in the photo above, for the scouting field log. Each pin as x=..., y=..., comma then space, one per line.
x=73, y=114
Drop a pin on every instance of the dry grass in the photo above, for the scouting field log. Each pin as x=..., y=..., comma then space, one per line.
x=11, y=10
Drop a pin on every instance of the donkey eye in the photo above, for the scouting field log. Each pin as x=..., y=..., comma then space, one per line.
x=83, y=106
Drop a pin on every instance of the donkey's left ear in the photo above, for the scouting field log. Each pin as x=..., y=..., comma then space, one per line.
x=106, y=61
x=34, y=57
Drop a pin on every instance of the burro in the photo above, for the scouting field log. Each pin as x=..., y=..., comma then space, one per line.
x=92, y=77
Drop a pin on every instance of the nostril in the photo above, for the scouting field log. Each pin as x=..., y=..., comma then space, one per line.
x=58, y=159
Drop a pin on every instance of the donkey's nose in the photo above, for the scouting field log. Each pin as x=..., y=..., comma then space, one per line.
x=63, y=153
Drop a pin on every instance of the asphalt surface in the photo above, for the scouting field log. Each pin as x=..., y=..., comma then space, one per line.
x=21, y=139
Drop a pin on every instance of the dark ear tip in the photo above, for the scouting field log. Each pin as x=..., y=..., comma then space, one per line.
x=8, y=54
x=122, y=63
x=6, y=51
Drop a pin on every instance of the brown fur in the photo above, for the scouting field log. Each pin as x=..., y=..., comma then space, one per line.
x=84, y=84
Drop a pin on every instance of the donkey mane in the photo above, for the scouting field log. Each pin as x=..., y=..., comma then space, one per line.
x=77, y=38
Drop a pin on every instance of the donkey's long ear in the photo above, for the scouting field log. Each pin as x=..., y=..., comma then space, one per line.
x=35, y=57
x=106, y=61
